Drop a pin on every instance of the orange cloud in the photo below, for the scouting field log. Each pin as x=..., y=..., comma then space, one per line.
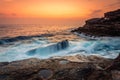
x=55, y=8
x=8, y=0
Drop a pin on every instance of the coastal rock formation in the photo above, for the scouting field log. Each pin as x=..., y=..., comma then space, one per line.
x=61, y=69
x=115, y=65
x=109, y=25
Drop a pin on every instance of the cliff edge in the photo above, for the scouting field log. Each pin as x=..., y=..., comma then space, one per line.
x=109, y=25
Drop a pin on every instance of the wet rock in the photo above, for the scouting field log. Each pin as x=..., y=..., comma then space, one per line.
x=115, y=75
x=3, y=77
x=115, y=65
x=112, y=72
x=4, y=63
x=45, y=74
x=73, y=74
x=60, y=69
x=100, y=75
x=64, y=62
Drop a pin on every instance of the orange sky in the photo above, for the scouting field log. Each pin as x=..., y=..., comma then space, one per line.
x=55, y=9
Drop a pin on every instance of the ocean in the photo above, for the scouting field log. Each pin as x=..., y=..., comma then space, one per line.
x=23, y=41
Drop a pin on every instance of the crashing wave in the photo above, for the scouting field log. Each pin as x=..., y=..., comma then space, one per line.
x=49, y=49
x=20, y=38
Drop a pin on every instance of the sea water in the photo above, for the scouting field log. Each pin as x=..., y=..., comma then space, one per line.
x=23, y=41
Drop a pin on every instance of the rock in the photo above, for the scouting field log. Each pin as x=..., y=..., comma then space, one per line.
x=33, y=69
x=64, y=62
x=61, y=69
x=4, y=63
x=115, y=74
x=115, y=65
x=93, y=21
x=113, y=15
x=112, y=72
x=100, y=75
x=109, y=25
x=45, y=74
x=73, y=74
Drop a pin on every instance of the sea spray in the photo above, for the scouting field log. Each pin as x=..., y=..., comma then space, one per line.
x=106, y=47
x=49, y=49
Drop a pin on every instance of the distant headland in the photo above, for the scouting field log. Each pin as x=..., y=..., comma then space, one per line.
x=109, y=25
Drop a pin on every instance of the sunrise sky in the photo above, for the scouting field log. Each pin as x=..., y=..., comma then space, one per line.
x=53, y=11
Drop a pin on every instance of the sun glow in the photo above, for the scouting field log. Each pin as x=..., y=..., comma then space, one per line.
x=57, y=10
x=69, y=10
x=54, y=11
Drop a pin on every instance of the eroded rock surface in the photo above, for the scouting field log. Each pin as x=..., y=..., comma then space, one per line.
x=61, y=69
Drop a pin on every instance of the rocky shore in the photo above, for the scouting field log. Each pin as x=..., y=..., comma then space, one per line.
x=109, y=25
x=76, y=67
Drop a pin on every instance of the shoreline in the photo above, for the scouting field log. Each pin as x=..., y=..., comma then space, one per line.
x=60, y=68
x=107, y=26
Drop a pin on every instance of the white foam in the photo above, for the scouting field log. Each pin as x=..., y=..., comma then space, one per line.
x=107, y=47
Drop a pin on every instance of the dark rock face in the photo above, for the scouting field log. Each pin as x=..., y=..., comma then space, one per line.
x=45, y=74
x=73, y=74
x=100, y=75
x=109, y=25
x=113, y=15
x=115, y=65
x=112, y=72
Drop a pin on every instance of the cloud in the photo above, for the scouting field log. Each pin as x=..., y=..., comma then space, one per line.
x=5, y=1
x=13, y=14
x=97, y=11
x=7, y=15
x=8, y=0
x=114, y=4
x=2, y=14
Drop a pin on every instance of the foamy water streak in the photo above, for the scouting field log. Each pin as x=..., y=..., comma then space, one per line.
x=56, y=41
x=108, y=47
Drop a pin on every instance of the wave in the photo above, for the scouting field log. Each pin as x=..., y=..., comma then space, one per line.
x=90, y=37
x=49, y=49
x=109, y=48
x=20, y=38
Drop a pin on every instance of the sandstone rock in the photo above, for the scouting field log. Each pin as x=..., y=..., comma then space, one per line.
x=60, y=69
